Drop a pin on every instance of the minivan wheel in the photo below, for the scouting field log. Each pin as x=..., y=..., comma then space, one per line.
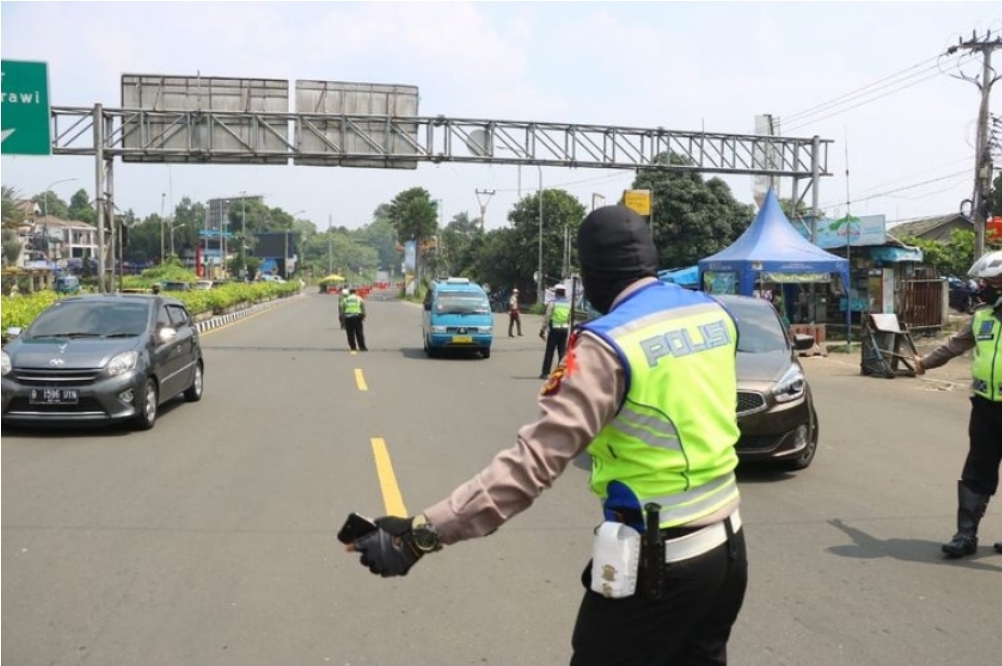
x=485, y=352
x=194, y=392
x=147, y=403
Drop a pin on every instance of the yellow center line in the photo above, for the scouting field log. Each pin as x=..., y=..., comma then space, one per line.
x=360, y=380
x=392, y=499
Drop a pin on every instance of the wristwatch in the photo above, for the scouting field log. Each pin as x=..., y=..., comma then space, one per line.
x=424, y=535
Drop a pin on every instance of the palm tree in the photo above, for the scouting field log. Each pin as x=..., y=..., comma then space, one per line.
x=13, y=212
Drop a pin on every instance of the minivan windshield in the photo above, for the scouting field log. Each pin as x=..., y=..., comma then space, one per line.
x=78, y=319
x=759, y=329
x=461, y=302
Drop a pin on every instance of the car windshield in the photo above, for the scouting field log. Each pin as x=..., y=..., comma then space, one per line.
x=90, y=319
x=759, y=329
x=461, y=302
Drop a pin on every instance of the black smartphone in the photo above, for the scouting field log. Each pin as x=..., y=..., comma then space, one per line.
x=355, y=527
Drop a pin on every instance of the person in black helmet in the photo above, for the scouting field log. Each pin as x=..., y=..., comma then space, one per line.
x=648, y=391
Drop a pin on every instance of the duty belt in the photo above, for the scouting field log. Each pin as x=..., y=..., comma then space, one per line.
x=701, y=541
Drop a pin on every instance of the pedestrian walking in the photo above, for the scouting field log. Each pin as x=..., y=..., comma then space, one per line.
x=648, y=391
x=514, y=317
x=979, y=478
x=354, y=320
x=556, y=324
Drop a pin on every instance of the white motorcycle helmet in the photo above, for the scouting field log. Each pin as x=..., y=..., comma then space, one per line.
x=988, y=267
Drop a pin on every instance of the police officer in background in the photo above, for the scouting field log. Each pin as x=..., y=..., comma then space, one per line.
x=556, y=323
x=979, y=479
x=342, y=295
x=354, y=320
x=648, y=391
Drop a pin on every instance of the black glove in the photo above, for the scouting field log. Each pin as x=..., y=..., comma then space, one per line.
x=390, y=550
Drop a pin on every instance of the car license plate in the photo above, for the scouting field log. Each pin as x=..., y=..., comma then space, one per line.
x=462, y=339
x=54, y=397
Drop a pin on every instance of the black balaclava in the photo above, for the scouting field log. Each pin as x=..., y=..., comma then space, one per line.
x=615, y=250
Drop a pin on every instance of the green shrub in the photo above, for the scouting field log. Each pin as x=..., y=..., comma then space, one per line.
x=21, y=310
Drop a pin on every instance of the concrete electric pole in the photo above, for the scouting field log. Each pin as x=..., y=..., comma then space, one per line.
x=981, y=201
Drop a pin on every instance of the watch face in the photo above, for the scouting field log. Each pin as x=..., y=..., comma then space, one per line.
x=425, y=539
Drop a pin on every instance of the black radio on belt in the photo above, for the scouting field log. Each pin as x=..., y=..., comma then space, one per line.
x=653, y=554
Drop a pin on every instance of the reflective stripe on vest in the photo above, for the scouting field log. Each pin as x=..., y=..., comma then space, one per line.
x=672, y=441
x=561, y=316
x=986, y=369
x=352, y=305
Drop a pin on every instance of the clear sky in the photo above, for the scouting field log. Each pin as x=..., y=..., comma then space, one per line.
x=684, y=66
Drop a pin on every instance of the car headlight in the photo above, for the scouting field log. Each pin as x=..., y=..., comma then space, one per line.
x=5, y=366
x=790, y=386
x=486, y=329
x=122, y=363
x=438, y=329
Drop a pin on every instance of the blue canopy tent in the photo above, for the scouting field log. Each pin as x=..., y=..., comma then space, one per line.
x=683, y=277
x=770, y=250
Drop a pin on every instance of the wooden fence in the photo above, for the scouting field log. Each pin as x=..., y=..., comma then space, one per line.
x=922, y=303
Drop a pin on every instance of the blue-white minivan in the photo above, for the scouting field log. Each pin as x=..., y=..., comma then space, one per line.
x=457, y=315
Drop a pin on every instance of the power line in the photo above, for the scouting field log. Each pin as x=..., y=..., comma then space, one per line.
x=899, y=189
x=805, y=121
x=859, y=91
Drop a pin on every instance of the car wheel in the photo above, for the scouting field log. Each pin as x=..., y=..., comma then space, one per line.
x=194, y=392
x=485, y=352
x=147, y=404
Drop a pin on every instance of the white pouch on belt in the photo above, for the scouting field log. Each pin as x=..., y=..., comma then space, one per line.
x=615, y=560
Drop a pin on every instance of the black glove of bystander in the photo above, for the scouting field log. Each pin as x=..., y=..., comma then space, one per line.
x=389, y=550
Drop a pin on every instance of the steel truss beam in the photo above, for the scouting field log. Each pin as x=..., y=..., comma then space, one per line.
x=340, y=140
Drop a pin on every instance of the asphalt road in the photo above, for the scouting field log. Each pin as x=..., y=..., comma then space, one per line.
x=210, y=539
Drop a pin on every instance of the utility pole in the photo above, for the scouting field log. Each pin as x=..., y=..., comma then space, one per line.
x=483, y=206
x=981, y=201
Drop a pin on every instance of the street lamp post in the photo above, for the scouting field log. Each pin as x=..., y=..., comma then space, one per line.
x=539, y=282
x=243, y=232
x=285, y=262
x=45, y=214
x=163, y=196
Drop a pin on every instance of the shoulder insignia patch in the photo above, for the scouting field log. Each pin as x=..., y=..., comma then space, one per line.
x=552, y=384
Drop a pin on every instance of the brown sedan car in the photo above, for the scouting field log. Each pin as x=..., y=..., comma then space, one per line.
x=776, y=412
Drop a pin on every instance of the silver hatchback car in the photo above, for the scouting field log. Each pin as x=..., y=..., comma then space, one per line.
x=101, y=358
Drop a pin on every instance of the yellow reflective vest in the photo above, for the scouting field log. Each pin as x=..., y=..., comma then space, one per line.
x=986, y=369
x=352, y=305
x=672, y=441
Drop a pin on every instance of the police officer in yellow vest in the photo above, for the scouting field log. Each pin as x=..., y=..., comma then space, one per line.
x=648, y=390
x=556, y=324
x=979, y=479
x=354, y=320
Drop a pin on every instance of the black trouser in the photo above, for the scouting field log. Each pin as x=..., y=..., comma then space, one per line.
x=981, y=469
x=556, y=340
x=689, y=626
x=356, y=333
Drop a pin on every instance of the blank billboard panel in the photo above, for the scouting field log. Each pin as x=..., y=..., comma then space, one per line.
x=163, y=128
x=355, y=142
x=273, y=244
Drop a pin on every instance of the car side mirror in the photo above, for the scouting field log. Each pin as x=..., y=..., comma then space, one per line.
x=802, y=342
x=13, y=331
x=167, y=334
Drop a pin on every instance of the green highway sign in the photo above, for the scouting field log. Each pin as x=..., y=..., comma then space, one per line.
x=25, y=110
